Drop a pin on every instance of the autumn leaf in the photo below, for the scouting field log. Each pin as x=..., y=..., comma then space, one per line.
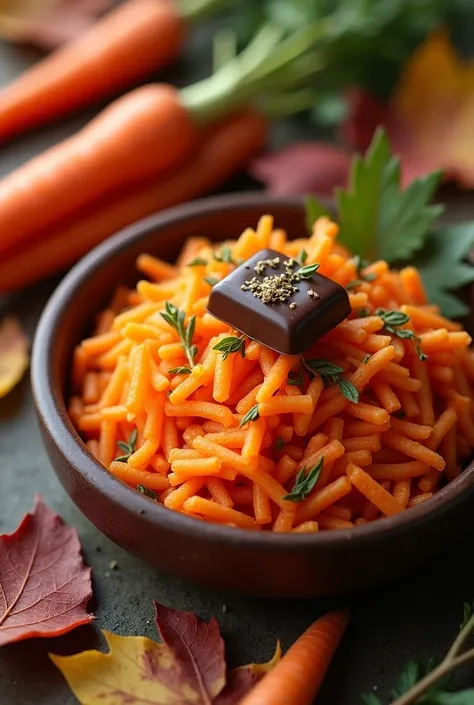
x=187, y=668
x=48, y=23
x=429, y=118
x=14, y=357
x=44, y=584
x=304, y=167
x=198, y=648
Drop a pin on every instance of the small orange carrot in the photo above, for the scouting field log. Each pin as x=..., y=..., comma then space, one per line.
x=149, y=33
x=296, y=679
x=223, y=151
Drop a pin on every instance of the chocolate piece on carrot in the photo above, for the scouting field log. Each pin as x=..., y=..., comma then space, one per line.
x=282, y=305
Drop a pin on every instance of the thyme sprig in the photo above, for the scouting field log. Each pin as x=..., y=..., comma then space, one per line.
x=231, y=344
x=127, y=448
x=176, y=319
x=432, y=684
x=305, y=482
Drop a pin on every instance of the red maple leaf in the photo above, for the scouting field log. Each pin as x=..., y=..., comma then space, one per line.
x=44, y=583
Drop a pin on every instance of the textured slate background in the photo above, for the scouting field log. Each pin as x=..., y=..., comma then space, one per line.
x=415, y=617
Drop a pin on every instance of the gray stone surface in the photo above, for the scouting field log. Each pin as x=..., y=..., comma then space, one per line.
x=415, y=617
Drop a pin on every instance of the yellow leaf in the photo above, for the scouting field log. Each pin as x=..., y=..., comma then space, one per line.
x=14, y=358
x=136, y=670
x=434, y=108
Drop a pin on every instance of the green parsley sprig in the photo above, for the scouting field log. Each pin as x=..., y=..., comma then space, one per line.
x=305, y=482
x=231, y=344
x=391, y=321
x=379, y=219
x=332, y=375
x=175, y=318
x=197, y=262
x=431, y=684
x=127, y=448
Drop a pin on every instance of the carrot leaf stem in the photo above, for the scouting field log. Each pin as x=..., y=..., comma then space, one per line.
x=271, y=63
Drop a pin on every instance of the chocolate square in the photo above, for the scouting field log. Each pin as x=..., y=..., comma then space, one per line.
x=290, y=326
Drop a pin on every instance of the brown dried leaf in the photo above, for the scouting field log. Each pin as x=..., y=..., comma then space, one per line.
x=48, y=23
x=14, y=357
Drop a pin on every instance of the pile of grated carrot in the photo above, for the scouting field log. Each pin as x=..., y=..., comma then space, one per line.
x=181, y=437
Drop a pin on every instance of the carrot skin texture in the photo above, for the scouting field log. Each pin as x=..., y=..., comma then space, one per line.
x=127, y=45
x=224, y=150
x=296, y=679
x=138, y=136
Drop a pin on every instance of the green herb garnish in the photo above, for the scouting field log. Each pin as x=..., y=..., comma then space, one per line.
x=431, y=684
x=148, y=493
x=379, y=220
x=307, y=271
x=127, y=448
x=331, y=374
x=175, y=318
x=224, y=255
x=251, y=415
x=301, y=257
x=392, y=319
x=179, y=371
x=211, y=281
x=305, y=482
x=366, y=359
x=198, y=262
x=295, y=379
x=230, y=345
x=279, y=444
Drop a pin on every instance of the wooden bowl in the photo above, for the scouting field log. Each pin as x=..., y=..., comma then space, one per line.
x=255, y=563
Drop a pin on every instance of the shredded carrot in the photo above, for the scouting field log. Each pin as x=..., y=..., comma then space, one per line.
x=214, y=433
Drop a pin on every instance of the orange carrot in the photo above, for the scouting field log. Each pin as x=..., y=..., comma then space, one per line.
x=153, y=130
x=296, y=679
x=223, y=151
x=149, y=33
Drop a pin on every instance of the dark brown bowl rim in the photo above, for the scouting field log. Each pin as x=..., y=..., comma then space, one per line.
x=52, y=411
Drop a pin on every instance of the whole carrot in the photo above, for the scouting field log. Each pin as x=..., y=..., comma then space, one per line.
x=296, y=679
x=141, y=135
x=125, y=47
x=225, y=148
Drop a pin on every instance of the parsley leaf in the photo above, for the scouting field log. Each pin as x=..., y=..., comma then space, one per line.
x=211, y=280
x=411, y=674
x=331, y=374
x=198, y=262
x=231, y=344
x=251, y=415
x=377, y=219
x=127, y=448
x=305, y=482
x=442, y=268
